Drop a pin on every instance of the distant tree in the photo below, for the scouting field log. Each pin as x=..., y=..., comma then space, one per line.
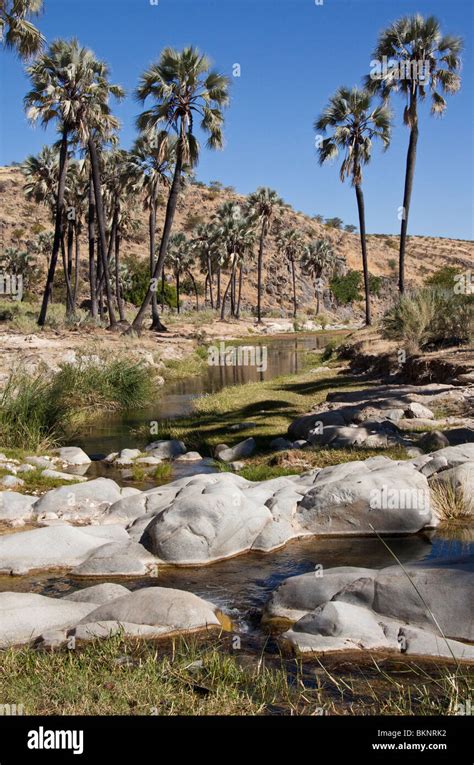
x=349, y=228
x=290, y=243
x=262, y=205
x=318, y=257
x=334, y=223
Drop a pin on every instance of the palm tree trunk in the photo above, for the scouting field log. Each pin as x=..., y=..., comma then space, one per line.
x=218, y=302
x=57, y=228
x=169, y=218
x=118, y=286
x=155, y=317
x=363, y=243
x=225, y=298
x=260, y=271
x=293, y=279
x=70, y=248
x=77, y=260
x=177, y=291
x=101, y=226
x=193, y=281
x=241, y=273
x=66, y=278
x=209, y=273
x=409, y=175
x=91, y=235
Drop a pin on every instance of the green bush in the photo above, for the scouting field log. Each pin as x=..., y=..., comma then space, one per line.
x=444, y=278
x=375, y=285
x=346, y=288
x=430, y=317
x=137, y=281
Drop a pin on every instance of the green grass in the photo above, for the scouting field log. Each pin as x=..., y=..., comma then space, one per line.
x=190, y=366
x=296, y=461
x=206, y=677
x=40, y=411
x=271, y=405
x=35, y=483
x=161, y=474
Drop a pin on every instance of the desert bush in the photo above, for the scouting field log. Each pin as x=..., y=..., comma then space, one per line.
x=430, y=317
x=345, y=288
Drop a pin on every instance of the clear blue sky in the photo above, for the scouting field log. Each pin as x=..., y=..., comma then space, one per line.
x=293, y=54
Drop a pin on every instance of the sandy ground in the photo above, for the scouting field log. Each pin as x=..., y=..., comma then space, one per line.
x=52, y=347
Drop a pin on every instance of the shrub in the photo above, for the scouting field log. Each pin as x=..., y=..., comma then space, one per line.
x=346, y=288
x=444, y=278
x=334, y=223
x=137, y=280
x=375, y=285
x=329, y=350
x=38, y=411
x=430, y=317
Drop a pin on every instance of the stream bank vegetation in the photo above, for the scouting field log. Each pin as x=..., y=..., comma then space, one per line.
x=41, y=410
x=201, y=676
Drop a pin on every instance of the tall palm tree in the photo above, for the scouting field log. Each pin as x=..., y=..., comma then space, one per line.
x=235, y=231
x=354, y=124
x=290, y=243
x=318, y=258
x=262, y=205
x=71, y=87
x=41, y=174
x=154, y=154
x=75, y=202
x=176, y=258
x=182, y=87
x=16, y=30
x=422, y=61
x=208, y=247
x=121, y=179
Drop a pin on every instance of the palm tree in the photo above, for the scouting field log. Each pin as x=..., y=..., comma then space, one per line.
x=317, y=258
x=41, y=174
x=121, y=180
x=154, y=155
x=75, y=203
x=70, y=86
x=422, y=61
x=20, y=35
x=176, y=258
x=208, y=247
x=182, y=87
x=262, y=205
x=236, y=234
x=291, y=244
x=354, y=125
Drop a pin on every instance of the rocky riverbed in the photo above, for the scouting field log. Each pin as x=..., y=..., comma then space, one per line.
x=96, y=529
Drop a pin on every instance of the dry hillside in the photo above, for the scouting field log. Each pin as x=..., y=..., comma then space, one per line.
x=21, y=221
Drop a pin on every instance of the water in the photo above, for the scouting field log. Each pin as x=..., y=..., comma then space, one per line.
x=114, y=432
x=241, y=586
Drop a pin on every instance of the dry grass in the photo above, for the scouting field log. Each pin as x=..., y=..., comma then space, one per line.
x=451, y=502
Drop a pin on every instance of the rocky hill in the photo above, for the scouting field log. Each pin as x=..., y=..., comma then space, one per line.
x=21, y=221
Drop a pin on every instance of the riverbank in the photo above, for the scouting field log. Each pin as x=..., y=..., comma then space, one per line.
x=192, y=676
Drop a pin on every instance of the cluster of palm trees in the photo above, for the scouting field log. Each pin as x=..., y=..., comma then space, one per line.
x=71, y=89
x=421, y=61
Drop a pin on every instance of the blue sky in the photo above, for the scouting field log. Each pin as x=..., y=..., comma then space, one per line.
x=293, y=54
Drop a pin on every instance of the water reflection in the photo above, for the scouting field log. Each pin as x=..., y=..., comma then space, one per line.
x=284, y=356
